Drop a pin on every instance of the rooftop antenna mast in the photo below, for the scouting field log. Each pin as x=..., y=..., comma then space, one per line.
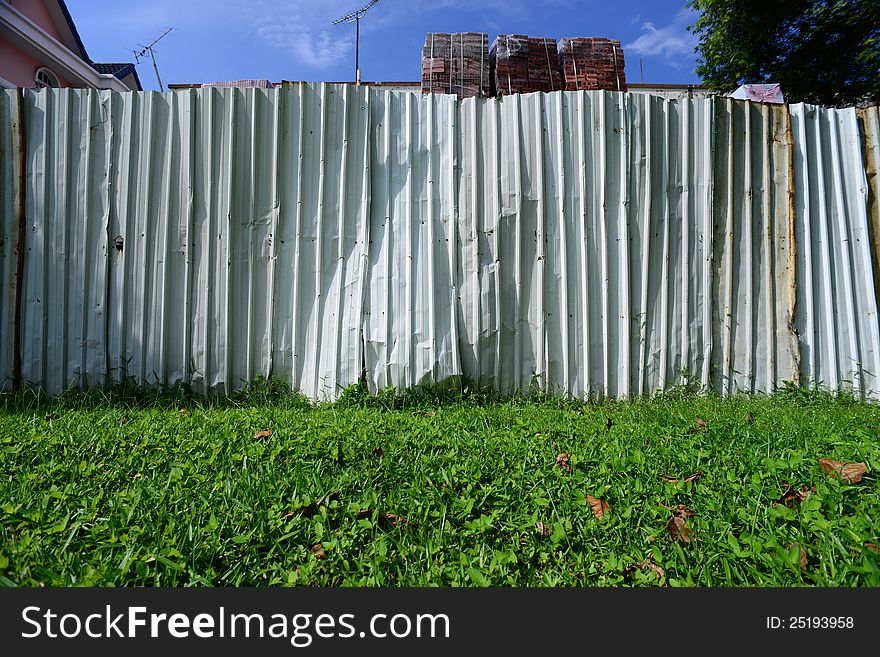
x=142, y=53
x=355, y=17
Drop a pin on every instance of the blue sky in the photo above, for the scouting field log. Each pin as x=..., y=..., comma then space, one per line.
x=216, y=40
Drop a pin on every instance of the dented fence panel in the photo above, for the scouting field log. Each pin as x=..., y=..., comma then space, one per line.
x=410, y=324
x=584, y=243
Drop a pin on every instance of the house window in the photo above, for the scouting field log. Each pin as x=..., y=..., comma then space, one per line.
x=46, y=78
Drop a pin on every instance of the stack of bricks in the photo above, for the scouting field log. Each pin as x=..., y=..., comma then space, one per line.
x=456, y=64
x=593, y=63
x=521, y=64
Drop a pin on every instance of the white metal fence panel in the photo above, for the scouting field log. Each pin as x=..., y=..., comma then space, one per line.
x=9, y=231
x=207, y=236
x=837, y=302
x=410, y=325
x=64, y=303
x=578, y=242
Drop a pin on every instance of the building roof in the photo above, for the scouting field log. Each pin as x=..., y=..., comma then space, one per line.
x=118, y=70
x=72, y=27
x=259, y=84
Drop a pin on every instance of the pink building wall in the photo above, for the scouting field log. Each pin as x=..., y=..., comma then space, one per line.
x=37, y=12
x=18, y=66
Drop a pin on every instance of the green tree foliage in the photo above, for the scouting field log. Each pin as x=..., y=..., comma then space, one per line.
x=821, y=51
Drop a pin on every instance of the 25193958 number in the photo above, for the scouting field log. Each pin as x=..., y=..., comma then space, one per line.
x=810, y=623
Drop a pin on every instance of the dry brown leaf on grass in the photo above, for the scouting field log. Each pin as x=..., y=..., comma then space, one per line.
x=543, y=529
x=849, y=472
x=562, y=461
x=647, y=563
x=378, y=452
x=183, y=411
x=873, y=547
x=318, y=551
x=679, y=530
x=657, y=570
x=267, y=433
x=384, y=519
x=599, y=507
x=395, y=519
x=699, y=426
x=750, y=417
x=802, y=557
x=791, y=495
x=680, y=510
x=688, y=480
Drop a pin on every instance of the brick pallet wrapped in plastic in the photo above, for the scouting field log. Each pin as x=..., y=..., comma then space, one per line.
x=592, y=63
x=521, y=64
x=456, y=63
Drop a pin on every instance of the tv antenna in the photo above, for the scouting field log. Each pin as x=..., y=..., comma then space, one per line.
x=355, y=17
x=142, y=53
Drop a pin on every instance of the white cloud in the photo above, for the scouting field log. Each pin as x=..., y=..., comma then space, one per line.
x=672, y=41
x=302, y=30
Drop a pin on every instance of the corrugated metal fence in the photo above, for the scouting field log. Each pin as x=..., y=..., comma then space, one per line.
x=580, y=242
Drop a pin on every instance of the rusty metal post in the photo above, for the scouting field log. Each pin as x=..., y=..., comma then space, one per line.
x=869, y=132
x=793, y=337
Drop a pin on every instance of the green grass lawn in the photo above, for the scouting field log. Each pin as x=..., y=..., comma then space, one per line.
x=109, y=488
